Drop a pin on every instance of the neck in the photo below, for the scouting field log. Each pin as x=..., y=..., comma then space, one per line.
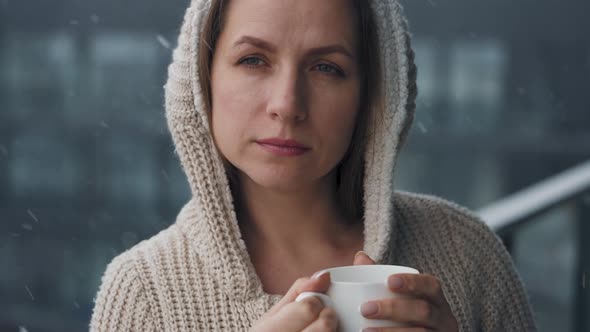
x=294, y=223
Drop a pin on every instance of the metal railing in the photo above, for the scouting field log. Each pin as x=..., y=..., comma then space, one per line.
x=526, y=204
x=508, y=215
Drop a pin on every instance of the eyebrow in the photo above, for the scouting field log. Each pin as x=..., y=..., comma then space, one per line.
x=263, y=44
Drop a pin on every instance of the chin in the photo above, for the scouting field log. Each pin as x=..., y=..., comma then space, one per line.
x=283, y=180
x=279, y=183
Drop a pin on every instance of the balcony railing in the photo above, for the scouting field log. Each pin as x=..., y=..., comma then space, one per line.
x=511, y=214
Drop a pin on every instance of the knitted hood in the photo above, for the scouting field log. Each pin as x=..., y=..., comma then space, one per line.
x=214, y=226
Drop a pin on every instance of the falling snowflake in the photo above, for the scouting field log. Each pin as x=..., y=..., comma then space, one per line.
x=94, y=18
x=30, y=293
x=163, y=41
x=422, y=128
x=165, y=174
x=32, y=215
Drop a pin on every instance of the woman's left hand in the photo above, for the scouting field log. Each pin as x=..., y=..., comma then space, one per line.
x=424, y=309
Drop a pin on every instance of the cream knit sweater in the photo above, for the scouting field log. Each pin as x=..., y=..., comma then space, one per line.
x=197, y=276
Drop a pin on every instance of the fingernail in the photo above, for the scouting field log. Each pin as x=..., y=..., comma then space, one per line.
x=319, y=274
x=396, y=282
x=360, y=252
x=369, y=309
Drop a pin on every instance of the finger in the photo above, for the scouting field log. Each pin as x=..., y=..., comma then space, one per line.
x=319, y=283
x=398, y=329
x=417, y=285
x=327, y=321
x=407, y=311
x=291, y=294
x=296, y=316
x=361, y=258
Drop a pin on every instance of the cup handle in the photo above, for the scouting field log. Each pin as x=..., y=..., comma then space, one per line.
x=326, y=300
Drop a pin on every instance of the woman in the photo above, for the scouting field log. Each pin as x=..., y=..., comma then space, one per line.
x=287, y=116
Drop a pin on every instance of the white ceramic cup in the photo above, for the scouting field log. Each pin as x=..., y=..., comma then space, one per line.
x=354, y=285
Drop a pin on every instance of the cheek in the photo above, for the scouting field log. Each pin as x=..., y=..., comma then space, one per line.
x=232, y=112
x=341, y=133
x=337, y=123
x=223, y=108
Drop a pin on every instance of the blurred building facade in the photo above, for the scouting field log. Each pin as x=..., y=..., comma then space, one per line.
x=87, y=167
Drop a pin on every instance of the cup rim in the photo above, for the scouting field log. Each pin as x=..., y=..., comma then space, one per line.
x=405, y=269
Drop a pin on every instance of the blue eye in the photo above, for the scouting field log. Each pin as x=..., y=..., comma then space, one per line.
x=329, y=69
x=251, y=61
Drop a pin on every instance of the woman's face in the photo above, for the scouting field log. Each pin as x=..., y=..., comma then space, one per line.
x=285, y=70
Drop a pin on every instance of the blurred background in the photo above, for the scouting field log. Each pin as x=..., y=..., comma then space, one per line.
x=87, y=167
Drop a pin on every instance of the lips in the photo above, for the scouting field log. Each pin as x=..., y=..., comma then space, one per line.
x=283, y=147
x=283, y=143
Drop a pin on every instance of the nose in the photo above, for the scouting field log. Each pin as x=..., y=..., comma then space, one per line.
x=287, y=101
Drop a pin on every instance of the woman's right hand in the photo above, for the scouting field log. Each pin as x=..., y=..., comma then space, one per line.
x=308, y=315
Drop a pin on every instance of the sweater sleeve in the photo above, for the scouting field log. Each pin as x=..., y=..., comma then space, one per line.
x=495, y=286
x=479, y=279
x=121, y=303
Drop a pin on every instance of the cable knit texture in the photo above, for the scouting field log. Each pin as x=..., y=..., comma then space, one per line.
x=197, y=274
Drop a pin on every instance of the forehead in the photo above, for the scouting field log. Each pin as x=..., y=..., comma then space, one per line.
x=316, y=21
